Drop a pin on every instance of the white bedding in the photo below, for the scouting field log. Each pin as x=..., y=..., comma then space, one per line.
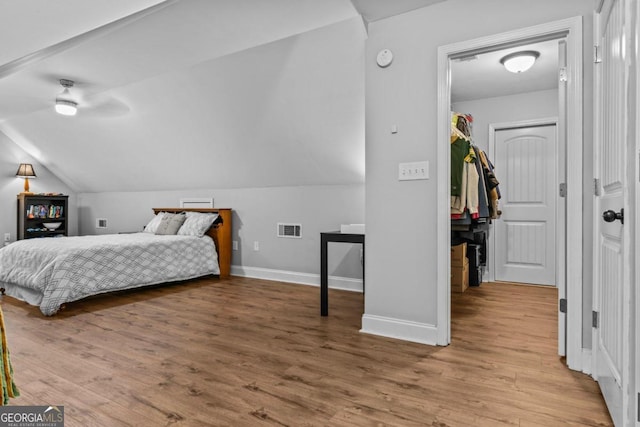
x=52, y=271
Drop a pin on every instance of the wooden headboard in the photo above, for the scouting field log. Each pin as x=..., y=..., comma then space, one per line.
x=220, y=233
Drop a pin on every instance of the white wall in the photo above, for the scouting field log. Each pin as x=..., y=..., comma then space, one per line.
x=256, y=211
x=10, y=186
x=504, y=109
x=401, y=255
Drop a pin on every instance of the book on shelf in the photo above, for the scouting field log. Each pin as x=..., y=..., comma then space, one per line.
x=45, y=211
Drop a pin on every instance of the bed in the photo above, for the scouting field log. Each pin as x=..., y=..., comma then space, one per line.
x=50, y=272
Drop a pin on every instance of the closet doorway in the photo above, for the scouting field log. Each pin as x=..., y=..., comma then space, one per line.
x=569, y=270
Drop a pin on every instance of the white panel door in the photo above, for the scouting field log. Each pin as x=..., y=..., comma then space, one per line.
x=525, y=233
x=611, y=267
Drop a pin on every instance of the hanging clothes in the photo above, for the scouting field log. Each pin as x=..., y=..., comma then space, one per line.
x=474, y=193
x=483, y=202
x=474, y=187
x=464, y=177
x=461, y=152
x=493, y=191
x=469, y=195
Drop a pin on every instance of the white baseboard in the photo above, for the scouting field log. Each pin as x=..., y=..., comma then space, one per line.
x=586, y=361
x=334, y=282
x=400, y=329
x=374, y=325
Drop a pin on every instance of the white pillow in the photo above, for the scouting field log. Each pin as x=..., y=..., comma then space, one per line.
x=197, y=223
x=152, y=226
x=170, y=223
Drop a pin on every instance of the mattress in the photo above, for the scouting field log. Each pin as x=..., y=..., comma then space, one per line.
x=49, y=272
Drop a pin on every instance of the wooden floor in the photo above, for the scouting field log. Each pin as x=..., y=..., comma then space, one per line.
x=246, y=352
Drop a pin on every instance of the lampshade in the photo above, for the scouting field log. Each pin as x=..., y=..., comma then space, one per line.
x=519, y=62
x=25, y=171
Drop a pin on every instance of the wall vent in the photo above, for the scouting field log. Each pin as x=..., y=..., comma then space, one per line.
x=290, y=230
x=101, y=222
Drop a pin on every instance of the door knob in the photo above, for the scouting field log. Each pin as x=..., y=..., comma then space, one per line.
x=610, y=216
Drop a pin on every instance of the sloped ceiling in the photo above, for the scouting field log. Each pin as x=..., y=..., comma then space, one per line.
x=374, y=10
x=188, y=94
x=31, y=26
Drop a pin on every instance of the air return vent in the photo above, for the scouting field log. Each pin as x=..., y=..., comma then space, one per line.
x=290, y=230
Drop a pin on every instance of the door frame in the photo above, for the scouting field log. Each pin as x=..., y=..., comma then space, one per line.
x=571, y=30
x=635, y=256
x=634, y=191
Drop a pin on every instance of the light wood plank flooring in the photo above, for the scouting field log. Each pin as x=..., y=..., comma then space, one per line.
x=247, y=352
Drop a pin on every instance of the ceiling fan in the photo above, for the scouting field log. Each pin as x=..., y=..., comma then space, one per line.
x=96, y=103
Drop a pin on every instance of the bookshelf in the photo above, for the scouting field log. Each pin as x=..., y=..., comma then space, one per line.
x=34, y=210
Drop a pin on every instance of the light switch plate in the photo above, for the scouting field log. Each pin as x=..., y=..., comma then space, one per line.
x=413, y=171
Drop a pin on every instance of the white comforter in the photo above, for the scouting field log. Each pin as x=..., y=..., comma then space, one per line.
x=66, y=269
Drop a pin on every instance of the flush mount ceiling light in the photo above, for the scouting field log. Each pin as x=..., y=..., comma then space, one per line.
x=519, y=62
x=65, y=105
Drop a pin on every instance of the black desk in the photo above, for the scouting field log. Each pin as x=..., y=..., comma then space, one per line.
x=325, y=238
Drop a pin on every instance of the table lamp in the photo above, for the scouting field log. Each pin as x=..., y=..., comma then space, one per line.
x=25, y=171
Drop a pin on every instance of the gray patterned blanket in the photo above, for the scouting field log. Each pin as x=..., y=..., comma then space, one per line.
x=66, y=269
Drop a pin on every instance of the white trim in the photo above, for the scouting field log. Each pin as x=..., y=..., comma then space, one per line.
x=574, y=196
x=544, y=121
x=596, y=130
x=634, y=388
x=196, y=202
x=587, y=357
x=570, y=28
x=422, y=333
x=334, y=282
x=594, y=226
x=443, y=205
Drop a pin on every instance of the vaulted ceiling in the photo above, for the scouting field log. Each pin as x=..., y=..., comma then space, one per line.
x=190, y=93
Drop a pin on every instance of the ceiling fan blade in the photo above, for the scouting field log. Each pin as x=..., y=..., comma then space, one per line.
x=104, y=105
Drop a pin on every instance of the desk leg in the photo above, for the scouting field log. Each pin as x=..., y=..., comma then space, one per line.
x=324, y=285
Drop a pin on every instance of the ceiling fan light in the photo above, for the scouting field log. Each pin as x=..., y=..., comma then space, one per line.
x=64, y=104
x=66, y=107
x=519, y=62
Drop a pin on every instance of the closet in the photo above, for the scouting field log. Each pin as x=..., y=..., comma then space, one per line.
x=475, y=196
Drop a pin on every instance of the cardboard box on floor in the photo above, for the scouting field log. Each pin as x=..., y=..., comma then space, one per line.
x=459, y=254
x=460, y=277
